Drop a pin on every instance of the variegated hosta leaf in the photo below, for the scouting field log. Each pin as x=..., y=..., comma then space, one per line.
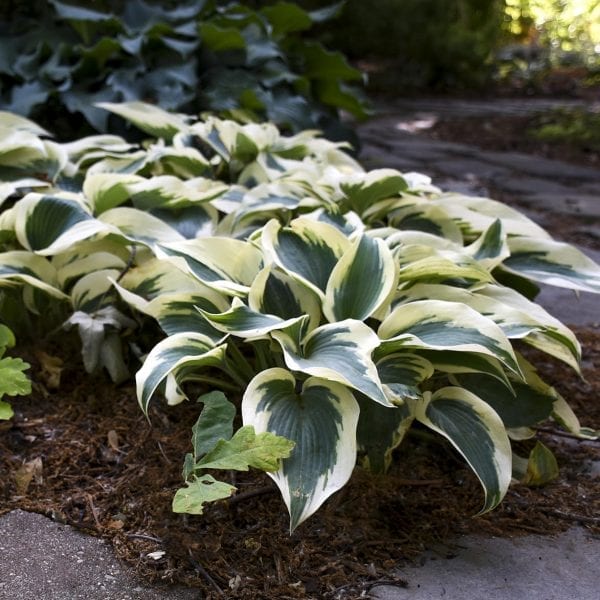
x=522, y=407
x=274, y=292
x=551, y=336
x=361, y=282
x=321, y=420
x=441, y=325
x=104, y=191
x=139, y=226
x=9, y=188
x=20, y=266
x=364, y=189
x=554, y=263
x=189, y=351
x=448, y=361
x=52, y=224
x=381, y=430
x=401, y=374
x=168, y=191
x=227, y=264
x=149, y=118
x=475, y=215
x=416, y=214
x=92, y=289
x=308, y=250
x=177, y=160
x=491, y=247
x=515, y=315
x=338, y=352
x=9, y=120
x=418, y=263
x=243, y=322
x=477, y=432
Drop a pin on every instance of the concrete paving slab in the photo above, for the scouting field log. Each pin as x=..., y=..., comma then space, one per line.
x=532, y=568
x=44, y=560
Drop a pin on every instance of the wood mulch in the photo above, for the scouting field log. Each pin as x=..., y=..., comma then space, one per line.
x=83, y=454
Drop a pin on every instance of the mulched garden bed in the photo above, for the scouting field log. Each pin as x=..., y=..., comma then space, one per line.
x=83, y=454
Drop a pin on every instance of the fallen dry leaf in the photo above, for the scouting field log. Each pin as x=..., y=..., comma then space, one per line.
x=26, y=473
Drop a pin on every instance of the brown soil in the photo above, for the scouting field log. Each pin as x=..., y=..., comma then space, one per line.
x=98, y=465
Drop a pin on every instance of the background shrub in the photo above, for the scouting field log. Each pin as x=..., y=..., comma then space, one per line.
x=57, y=60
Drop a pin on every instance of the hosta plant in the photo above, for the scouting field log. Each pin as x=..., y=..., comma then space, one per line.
x=335, y=307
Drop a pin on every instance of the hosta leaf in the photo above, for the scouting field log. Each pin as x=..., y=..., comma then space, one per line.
x=554, y=263
x=441, y=325
x=274, y=292
x=401, y=375
x=287, y=17
x=52, y=224
x=150, y=119
x=448, y=361
x=515, y=315
x=10, y=120
x=226, y=264
x=248, y=449
x=214, y=423
x=361, y=282
x=200, y=490
x=477, y=432
x=139, y=226
x=380, y=431
x=108, y=190
x=476, y=215
x=308, y=250
x=321, y=420
x=523, y=407
x=491, y=248
x=26, y=267
x=244, y=322
x=338, y=352
x=171, y=355
x=364, y=189
x=91, y=289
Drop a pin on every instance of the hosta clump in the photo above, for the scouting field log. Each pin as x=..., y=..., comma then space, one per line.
x=335, y=307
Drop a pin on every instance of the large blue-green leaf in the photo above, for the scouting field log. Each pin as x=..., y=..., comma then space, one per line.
x=554, y=263
x=244, y=322
x=361, y=282
x=380, y=430
x=308, y=250
x=274, y=292
x=441, y=325
x=226, y=264
x=477, y=432
x=189, y=351
x=321, y=420
x=338, y=352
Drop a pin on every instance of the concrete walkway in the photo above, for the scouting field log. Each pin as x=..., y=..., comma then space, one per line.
x=540, y=186
x=43, y=560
